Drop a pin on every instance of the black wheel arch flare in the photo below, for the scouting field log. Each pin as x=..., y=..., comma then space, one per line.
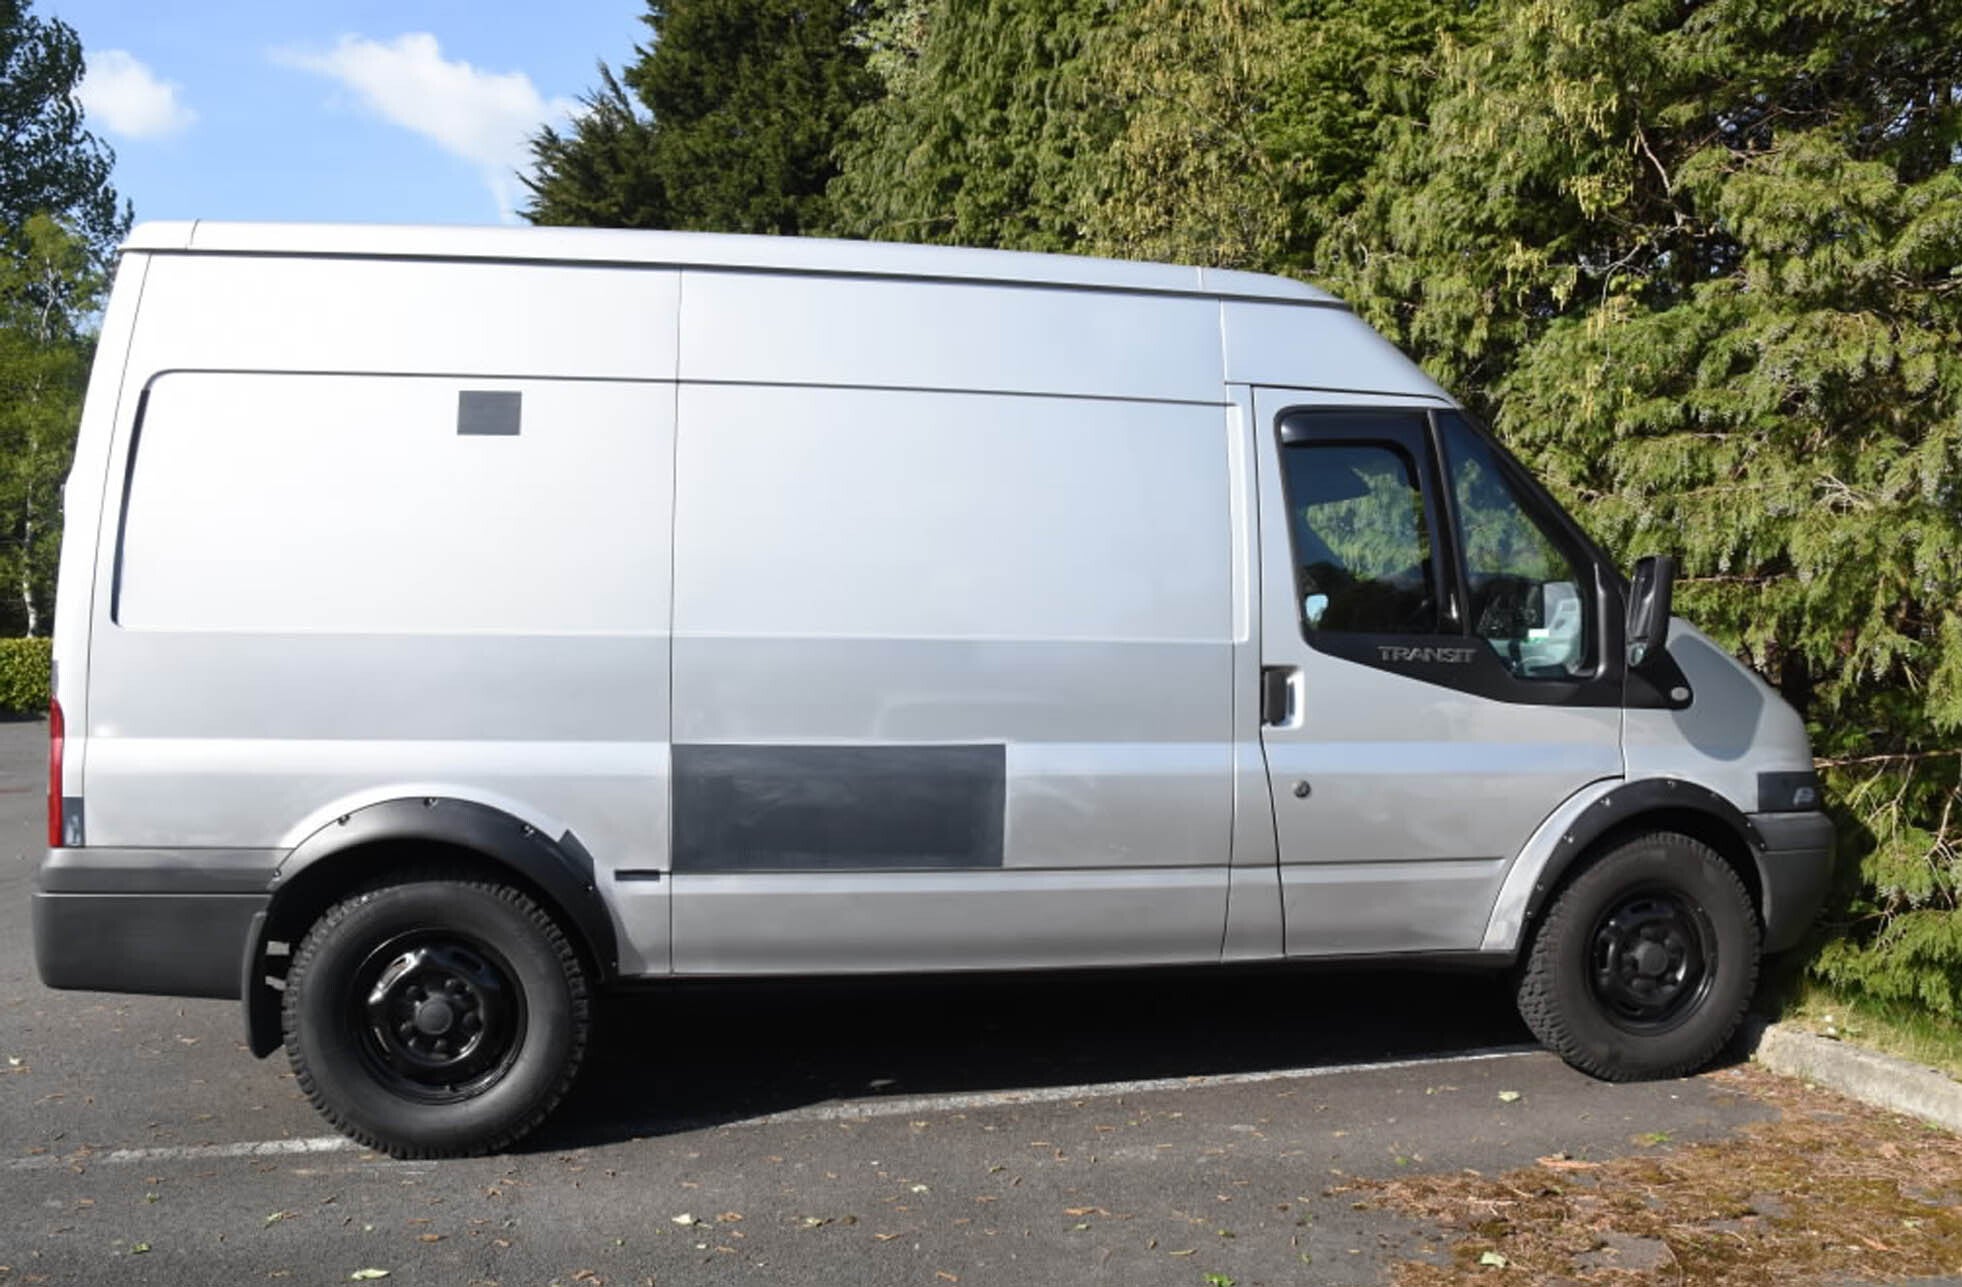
x=327, y=863
x=1667, y=802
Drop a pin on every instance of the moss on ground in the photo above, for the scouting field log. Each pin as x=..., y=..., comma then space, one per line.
x=1830, y=1191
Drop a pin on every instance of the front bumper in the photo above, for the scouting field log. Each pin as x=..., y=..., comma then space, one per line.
x=1795, y=868
x=170, y=922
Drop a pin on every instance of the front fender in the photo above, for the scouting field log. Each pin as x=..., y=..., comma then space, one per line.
x=1585, y=817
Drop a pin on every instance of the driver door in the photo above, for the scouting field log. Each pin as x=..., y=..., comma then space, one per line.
x=1432, y=649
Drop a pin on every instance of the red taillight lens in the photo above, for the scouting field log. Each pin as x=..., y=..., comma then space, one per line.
x=55, y=739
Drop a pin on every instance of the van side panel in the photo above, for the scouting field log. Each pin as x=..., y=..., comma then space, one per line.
x=107, y=405
x=943, y=577
x=898, y=334
x=393, y=530
x=373, y=315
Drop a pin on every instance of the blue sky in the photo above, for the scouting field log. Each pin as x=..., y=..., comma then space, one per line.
x=370, y=110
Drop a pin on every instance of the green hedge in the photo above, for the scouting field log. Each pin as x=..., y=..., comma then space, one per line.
x=25, y=666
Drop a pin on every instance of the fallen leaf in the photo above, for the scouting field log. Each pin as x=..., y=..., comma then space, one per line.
x=1494, y=1259
x=921, y=1188
x=367, y=1275
x=942, y=1273
x=730, y=1217
x=277, y=1216
x=1189, y=1251
x=1508, y=1096
x=884, y=1237
x=684, y=1220
x=1218, y=1280
x=139, y=1249
x=429, y=1237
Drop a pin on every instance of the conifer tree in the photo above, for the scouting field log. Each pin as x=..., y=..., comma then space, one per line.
x=601, y=173
x=50, y=164
x=1701, y=264
x=736, y=107
x=986, y=141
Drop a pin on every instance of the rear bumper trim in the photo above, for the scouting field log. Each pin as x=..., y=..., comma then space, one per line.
x=158, y=871
x=181, y=945
x=168, y=922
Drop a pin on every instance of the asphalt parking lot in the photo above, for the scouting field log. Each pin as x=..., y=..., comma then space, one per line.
x=1187, y=1129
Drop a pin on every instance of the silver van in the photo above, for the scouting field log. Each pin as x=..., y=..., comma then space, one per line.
x=457, y=623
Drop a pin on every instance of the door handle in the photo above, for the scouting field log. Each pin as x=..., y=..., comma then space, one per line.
x=1277, y=694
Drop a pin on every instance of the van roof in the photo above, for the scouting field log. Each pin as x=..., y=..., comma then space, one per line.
x=710, y=250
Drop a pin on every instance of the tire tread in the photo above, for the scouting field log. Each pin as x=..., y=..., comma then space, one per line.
x=1535, y=993
x=540, y=920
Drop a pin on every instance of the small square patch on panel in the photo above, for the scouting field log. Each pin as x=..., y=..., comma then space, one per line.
x=488, y=413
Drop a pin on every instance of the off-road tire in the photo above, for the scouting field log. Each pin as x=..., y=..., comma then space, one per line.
x=317, y=1013
x=1566, y=1011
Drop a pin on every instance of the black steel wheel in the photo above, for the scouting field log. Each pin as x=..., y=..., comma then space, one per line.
x=1652, y=959
x=435, y=1017
x=439, y=1016
x=1645, y=962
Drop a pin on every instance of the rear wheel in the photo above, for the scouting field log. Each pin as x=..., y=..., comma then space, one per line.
x=435, y=1018
x=1645, y=963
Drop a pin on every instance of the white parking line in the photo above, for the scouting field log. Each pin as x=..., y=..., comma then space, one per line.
x=864, y=1110
x=850, y=1111
x=180, y=1153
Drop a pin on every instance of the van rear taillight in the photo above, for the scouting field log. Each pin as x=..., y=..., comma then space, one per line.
x=55, y=739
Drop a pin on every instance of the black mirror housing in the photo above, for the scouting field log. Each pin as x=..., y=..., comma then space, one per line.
x=1651, y=592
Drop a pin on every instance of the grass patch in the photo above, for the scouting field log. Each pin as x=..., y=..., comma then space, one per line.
x=1831, y=1191
x=1894, y=1028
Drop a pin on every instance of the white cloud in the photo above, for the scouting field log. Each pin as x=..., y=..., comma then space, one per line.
x=483, y=117
x=128, y=99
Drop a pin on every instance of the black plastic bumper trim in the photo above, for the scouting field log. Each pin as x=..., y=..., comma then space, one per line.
x=158, y=871
x=1795, y=868
x=163, y=944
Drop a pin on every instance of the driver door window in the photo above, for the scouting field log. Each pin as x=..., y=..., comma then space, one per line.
x=1524, y=588
x=1363, y=552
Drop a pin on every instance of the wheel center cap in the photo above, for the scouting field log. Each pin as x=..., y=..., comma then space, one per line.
x=1650, y=959
x=434, y=1017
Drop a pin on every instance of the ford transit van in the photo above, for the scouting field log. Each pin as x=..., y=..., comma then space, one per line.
x=457, y=623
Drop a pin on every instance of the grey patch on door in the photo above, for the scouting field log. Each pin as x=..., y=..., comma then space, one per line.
x=838, y=808
x=488, y=413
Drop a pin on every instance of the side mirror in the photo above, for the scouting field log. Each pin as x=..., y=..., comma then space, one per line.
x=1650, y=593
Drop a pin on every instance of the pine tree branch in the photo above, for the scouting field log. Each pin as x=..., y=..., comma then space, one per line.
x=1898, y=757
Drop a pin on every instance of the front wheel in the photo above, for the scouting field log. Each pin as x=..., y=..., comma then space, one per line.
x=1645, y=963
x=435, y=1018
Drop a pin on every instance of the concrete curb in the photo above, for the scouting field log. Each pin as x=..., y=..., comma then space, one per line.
x=1866, y=1075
